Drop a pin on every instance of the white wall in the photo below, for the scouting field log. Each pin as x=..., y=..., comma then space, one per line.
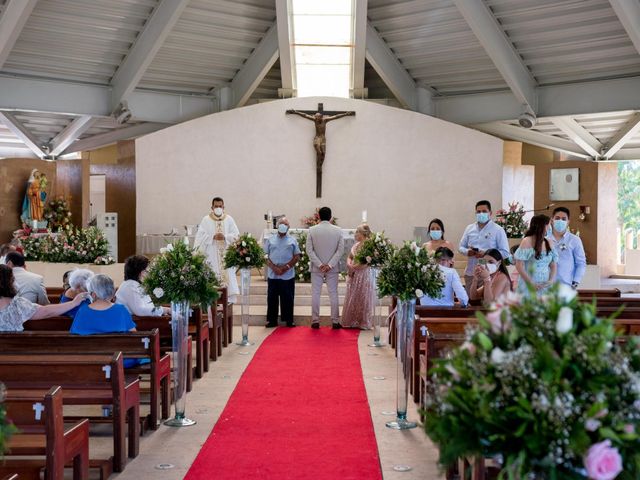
x=402, y=167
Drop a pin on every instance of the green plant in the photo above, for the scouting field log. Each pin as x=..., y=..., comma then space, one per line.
x=244, y=253
x=512, y=220
x=71, y=245
x=6, y=427
x=303, y=272
x=539, y=384
x=409, y=273
x=57, y=214
x=375, y=251
x=181, y=274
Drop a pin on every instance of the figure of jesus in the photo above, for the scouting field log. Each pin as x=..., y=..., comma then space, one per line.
x=320, y=140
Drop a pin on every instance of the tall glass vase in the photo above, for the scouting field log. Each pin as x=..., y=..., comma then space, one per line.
x=245, y=295
x=180, y=337
x=375, y=306
x=404, y=326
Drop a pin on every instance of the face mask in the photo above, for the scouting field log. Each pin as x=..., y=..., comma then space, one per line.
x=560, y=225
x=218, y=211
x=282, y=228
x=482, y=217
x=435, y=234
x=492, y=268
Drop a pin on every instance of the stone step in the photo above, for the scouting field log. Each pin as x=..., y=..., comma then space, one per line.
x=305, y=300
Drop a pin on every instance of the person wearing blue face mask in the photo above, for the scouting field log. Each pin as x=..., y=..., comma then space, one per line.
x=436, y=236
x=283, y=253
x=572, y=261
x=479, y=237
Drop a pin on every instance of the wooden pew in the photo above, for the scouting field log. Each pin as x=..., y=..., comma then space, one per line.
x=198, y=329
x=164, y=328
x=138, y=344
x=42, y=433
x=599, y=293
x=219, y=324
x=86, y=380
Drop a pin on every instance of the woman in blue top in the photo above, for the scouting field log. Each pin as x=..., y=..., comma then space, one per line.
x=536, y=261
x=102, y=316
x=78, y=279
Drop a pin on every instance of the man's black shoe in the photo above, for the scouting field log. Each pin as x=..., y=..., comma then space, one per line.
x=291, y=325
x=315, y=325
x=336, y=326
x=271, y=325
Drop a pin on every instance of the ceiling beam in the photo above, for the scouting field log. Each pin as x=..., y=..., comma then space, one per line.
x=359, y=48
x=579, y=135
x=256, y=67
x=553, y=101
x=531, y=136
x=628, y=12
x=622, y=136
x=102, y=139
x=625, y=154
x=285, y=42
x=82, y=99
x=149, y=41
x=387, y=65
x=19, y=130
x=499, y=48
x=15, y=16
x=70, y=134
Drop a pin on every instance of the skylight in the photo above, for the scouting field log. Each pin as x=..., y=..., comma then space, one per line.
x=322, y=46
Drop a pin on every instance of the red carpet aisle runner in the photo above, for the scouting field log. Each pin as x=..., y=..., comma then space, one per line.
x=300, y=411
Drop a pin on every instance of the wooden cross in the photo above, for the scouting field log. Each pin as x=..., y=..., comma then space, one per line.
x=320, y=119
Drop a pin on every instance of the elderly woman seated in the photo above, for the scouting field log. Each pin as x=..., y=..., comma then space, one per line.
x=15, y=310
x=103, y=316
x=78, y=279
x=130, y=293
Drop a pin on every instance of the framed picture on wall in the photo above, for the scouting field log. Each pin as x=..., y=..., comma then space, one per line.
x=564, y=184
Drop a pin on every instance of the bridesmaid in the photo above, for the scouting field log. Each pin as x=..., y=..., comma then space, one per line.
x=536, y=261
x=436, y=237
x=358, y=301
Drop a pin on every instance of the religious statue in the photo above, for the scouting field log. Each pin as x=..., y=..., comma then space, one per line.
x=34, y=198
x=320, y=119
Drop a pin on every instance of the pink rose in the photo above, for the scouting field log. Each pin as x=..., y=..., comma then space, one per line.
x=603, y=462
x=497, y=323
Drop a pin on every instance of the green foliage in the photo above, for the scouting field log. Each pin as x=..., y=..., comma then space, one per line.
x=57, y=214
x=244, y=253
x=71, y=245
x=181, y=274
x=375, y=251
x=537, y=383
x=6, y=427
x=410, y=272
x=303, y=267
x=629, y=195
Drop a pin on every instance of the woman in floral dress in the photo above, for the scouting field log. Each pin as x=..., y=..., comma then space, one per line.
x=358, y=301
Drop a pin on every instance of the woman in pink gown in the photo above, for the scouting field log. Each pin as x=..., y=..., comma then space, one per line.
x=358, y=301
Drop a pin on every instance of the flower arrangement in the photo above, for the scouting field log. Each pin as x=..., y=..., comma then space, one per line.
x=6, y=427
x=57, y=214
x=244, y=253
x=375, y=251
x=512, y=220
x=181, y=274
x=303, y=272
x=71, y=245
x=314, y=219
x=410, y=272
x=543, y=386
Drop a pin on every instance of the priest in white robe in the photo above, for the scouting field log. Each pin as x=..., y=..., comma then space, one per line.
x=215, y=233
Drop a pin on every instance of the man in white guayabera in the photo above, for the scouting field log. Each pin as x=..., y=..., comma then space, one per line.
x=324, y=247
x=215, y=233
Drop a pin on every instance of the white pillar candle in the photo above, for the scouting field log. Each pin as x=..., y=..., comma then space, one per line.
x=364, y=216
x=186, y=241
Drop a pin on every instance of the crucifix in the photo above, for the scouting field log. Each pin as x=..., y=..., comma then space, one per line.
x=320, y=119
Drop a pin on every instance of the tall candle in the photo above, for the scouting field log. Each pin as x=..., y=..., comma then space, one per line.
x=364, y=216
x=186, y=241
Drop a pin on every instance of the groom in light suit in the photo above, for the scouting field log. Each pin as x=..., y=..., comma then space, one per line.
x=324, y=247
